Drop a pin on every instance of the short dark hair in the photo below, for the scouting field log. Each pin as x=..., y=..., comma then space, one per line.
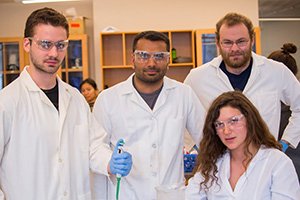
x=45, y=16
x=284, y=56
x=90, y=82
x=152, y=36
x=232, y=19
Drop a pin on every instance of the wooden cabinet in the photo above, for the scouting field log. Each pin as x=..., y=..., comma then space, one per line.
x=206, y=45
x=11, y=59
x=116, y=51
x=115, y=57
x=74, y=68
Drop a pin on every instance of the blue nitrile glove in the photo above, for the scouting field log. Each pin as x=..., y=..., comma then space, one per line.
x=285, y=146
x=120, y=163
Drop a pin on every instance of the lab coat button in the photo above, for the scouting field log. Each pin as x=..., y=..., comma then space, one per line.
x=154, y=173
x=60, y=160
x=154, y=146
x=65, y=193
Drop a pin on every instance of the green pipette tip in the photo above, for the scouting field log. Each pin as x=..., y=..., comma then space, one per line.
x=122, y=142
x=118, y=188
x=119, y=176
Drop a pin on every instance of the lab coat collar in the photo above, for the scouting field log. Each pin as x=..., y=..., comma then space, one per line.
x=64, y=96
x=258, y=62
x=261, y=154
x=128, y=87
x=31, y=86
x=27, y=81
x=216, y=62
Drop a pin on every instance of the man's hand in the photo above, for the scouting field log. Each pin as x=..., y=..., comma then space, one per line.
x=120, y=163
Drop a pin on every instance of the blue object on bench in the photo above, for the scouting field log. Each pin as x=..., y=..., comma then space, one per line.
x=189, y=162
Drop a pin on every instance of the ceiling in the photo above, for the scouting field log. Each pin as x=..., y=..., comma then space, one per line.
x=267, y=8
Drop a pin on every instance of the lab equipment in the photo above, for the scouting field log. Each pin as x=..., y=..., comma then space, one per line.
x=120, y=150
x=189, y=161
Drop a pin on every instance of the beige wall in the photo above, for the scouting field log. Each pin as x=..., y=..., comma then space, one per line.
x=136, y=15
x=131, y=15
x=276, y=33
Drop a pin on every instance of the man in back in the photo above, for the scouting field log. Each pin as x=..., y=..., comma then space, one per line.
x=263, y=81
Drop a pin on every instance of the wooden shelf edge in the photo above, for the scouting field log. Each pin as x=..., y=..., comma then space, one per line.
x=117, y=67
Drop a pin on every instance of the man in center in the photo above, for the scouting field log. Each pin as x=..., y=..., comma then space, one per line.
x=151, y=113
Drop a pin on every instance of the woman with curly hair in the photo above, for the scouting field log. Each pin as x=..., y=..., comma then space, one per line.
x=239, y=158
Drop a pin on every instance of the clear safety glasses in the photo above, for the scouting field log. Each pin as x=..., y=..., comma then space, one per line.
x=47, y=45
x=240, y=43
x=231, y=123
x=144, y=56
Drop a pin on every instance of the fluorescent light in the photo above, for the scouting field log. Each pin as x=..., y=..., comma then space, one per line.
x=44, y=1
x=279, y=19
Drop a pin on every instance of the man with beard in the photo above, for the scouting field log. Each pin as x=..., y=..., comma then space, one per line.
x=46, y=147
x=265, y=82
x=151, y=112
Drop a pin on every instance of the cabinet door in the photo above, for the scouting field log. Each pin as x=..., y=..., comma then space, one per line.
x=11, y=60
x=75, y=66
x=206, y=45
x=182, y=54
x=115, y=57
x=111, y=47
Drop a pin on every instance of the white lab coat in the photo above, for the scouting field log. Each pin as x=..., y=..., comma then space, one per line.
x=271, y=175
x=98, y=186
x=153, y=137
x=44, y=153
x=269, y=83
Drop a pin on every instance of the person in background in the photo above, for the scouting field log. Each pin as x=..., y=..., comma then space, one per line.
x=89, y=90
x=284, y=56
x=151, y=112
x=46, y=146
x=239, y=158
x=265, y=82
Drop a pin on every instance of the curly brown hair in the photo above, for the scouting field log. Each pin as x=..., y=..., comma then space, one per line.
x=212, y=148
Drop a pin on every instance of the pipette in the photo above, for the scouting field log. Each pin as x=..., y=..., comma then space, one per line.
x=120, y=150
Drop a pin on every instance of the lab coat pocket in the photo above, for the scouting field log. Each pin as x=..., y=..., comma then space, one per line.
x=82, y=137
